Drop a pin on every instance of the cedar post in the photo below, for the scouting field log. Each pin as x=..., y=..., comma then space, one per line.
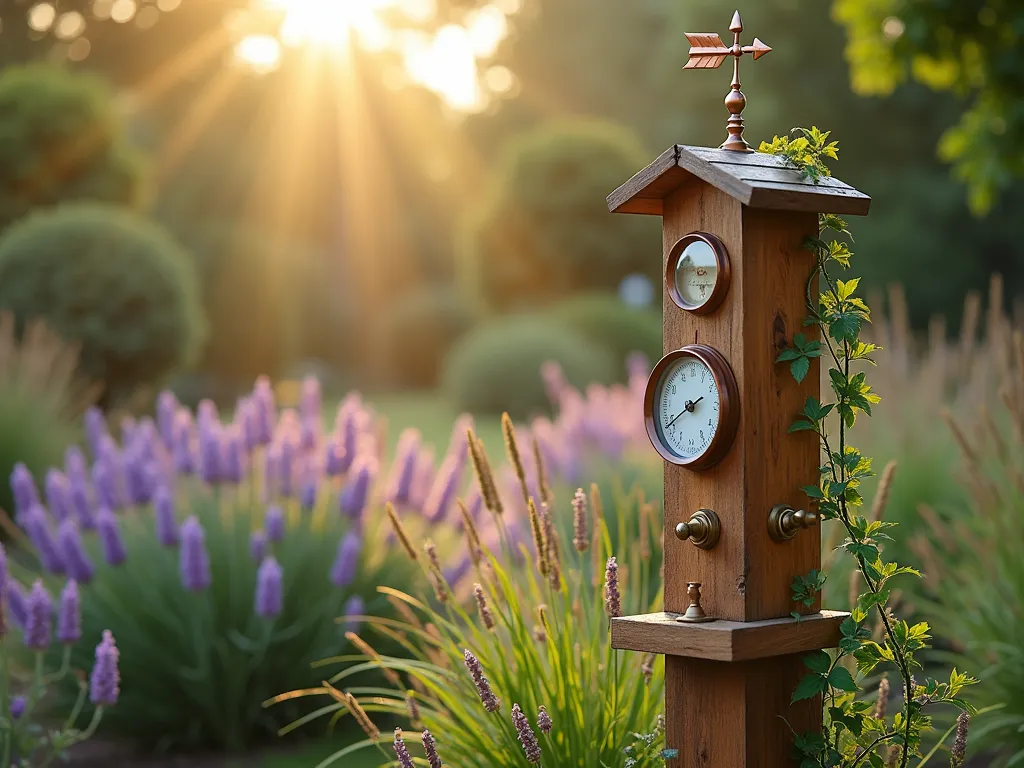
x=729, y=682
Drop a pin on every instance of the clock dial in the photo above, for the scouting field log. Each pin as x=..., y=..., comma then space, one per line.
x=691, y=407
x=698, y=273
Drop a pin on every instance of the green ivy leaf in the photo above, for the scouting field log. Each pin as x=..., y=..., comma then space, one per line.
x=799, y=368
x=811, y=685
x=841, y=678
x=819, y=662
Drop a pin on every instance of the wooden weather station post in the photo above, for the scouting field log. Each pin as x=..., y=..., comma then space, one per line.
x=718, y=411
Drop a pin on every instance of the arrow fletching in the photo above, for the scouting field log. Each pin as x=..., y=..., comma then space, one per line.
x=706, y=52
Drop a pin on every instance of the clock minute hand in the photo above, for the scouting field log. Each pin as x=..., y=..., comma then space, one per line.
x=687, y=408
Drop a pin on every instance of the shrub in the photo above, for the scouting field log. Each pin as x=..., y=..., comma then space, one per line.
x=113, y=282
x=60, y=140
x=495, y=367
x=41, y=399
x=530, y=666
x=26, y=741
x=543, y=231
x=420, y=330
x=603, y=319
x=224, y=590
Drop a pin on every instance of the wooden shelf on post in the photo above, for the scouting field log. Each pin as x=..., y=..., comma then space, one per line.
x=660, y=633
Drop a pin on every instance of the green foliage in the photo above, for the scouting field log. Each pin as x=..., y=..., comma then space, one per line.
x=420, y=330
x=60, y=140
x=496, y=366
x=605, y=320
x=32, y=740
x=116, y=283
x=41, y=399
x=973, y=554
x=543, y=230
x=542, y=640
x=851, y=732
x=211, y=659
x=966, y=49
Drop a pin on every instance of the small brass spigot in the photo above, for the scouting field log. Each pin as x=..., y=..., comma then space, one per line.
x=784, y=522
x=694, y=613
x=703, y=529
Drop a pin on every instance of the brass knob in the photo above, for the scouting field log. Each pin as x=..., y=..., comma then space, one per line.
x=784, y=522
x=703, y=529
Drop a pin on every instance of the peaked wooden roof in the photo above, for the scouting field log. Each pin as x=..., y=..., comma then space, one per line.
x=755, y=179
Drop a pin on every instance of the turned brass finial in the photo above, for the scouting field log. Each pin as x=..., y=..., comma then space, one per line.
x=694, y=613
x=707, y=51
x=784, y=522
x=703, y=529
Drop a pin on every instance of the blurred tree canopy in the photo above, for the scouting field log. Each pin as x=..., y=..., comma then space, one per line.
x=61, y=140
x=337, y=186
x=970, y=49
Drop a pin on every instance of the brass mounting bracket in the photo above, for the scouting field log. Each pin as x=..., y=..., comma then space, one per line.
x=784, y=522
x=703, y=529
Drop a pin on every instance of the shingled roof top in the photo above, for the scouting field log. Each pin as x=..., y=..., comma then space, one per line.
x=755, y=179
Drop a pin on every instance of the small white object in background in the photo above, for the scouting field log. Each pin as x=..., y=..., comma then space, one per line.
x=636, y=290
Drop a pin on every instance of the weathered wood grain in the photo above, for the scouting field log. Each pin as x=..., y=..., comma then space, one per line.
x=660, y=633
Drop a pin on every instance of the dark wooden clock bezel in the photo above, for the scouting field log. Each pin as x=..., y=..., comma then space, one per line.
x=729, y=406
x=722, y=282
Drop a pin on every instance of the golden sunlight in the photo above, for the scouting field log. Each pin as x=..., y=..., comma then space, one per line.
x=447, y=60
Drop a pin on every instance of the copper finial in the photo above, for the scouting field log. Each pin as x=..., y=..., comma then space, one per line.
x=707, y=51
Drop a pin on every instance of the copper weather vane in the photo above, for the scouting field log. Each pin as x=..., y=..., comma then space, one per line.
x=707, y=51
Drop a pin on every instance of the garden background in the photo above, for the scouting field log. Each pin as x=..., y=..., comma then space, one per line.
x=405, y=199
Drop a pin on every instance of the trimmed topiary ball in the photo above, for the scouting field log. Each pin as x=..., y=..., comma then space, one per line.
x=61, y=140
x=496, y=367
x=605, y=320
x=117, y=284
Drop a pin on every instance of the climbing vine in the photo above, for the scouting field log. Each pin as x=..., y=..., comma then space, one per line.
x=856, y=731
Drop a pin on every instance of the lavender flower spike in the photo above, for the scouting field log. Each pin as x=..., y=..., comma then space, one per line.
x=166, y=523
x=103, y=683
x=110, y=536
x=269, y=589
x=58, y=494
x=346, y=563
x=37, y=526
x=17, y=602
x=76, y=561
x=353, y=497
x=39, y=618
x=526, y=735
x=23, y=488
x=442, y=491
x=69, y=617
x=544, y=720
x=274, y=523
x=257, y=545
x=958, y=752
x=354, y=607
x=483, y=688
x=194, y=560
x=612, y=598
x=402, y=752
x=430, y=750
x=18, y=707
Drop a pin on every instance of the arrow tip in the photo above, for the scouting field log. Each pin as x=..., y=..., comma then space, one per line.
x=760, y=49
x=737, y=23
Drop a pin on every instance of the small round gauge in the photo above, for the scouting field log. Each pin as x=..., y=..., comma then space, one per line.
x=698, y=273
x=691, y=407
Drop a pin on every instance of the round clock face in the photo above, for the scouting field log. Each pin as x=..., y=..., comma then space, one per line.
x=691, y=407
x=698, y=272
